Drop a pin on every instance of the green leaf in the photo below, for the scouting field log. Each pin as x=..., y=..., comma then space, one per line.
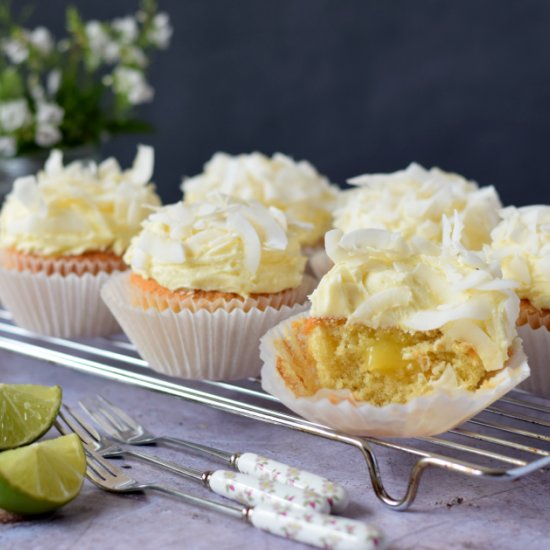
x=11, y=84
x=130, y=126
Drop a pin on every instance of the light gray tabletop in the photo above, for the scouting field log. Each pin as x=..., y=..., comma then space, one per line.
x=451, y=511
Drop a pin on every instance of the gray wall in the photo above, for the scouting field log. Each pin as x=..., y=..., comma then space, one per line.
x=352, y=85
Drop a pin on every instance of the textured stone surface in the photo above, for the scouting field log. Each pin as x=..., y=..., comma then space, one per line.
x=451, y=511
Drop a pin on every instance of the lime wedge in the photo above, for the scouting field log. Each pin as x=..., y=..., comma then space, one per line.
x=43, y=476
x=26, y=413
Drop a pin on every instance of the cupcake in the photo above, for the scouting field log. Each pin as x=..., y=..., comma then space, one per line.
x=404, y=338
x=62, y=235
x=207, y=280
x=412, y=202
x=521, y=243
x=296, y=188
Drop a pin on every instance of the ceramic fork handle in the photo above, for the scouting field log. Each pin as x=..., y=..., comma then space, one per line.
x=319, y=530
x=252, y=491
x=265, y=468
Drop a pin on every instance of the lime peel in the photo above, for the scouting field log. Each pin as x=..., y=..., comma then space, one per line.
x=27, y=412
x=42, y=477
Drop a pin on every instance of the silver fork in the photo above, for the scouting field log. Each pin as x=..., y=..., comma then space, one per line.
x=239, y=487
x=292, y=523
x=124, y=429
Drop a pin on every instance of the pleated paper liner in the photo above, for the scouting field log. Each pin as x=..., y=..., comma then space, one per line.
x=52, y=298
x=534, y=330
x=214, y=342
x=430, y=414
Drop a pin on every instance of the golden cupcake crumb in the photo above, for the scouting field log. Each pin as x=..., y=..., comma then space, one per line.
x=381, y=366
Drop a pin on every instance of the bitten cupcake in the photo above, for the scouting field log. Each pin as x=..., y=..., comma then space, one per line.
x=404, y=338
x=412, y=202
x=63, y=233
x=296, y=188
x=207, y=280
x=521, y=243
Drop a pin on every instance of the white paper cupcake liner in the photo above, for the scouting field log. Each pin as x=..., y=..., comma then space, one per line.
x=67, y=306
x=536, y=343
x=201, y=344
x=426, y=415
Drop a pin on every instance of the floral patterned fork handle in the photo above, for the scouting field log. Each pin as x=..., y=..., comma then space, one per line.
x=321, y=530
x=265, y=468
x=122, y=427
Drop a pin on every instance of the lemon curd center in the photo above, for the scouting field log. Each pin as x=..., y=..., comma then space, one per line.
x=384, y=355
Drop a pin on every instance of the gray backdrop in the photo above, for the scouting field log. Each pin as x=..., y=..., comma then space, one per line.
x=352, y=85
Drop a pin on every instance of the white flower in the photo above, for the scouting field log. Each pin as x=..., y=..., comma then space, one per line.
x=161, y=31
x=111, y=52
x=41, y=39
x=7, y=146
x=35, y=87
x=16, y=51
x=54, y=80
x=49, y=114
x=127, y=28
x=47, y=135
x=96, y=33
x=101, y=45
x=132, y=84
x=14, y=115
x=134, y=56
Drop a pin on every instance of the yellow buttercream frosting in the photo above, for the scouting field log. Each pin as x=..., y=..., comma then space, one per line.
x=413, y=201
x=294, y=187
x=225, y=245
x=66, y=210
x=384, y=281
x=521, y=243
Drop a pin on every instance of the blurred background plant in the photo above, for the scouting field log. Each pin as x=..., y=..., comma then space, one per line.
x=80, y=89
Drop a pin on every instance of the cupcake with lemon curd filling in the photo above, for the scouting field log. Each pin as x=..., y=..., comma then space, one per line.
x=293, y=187
x=207, y=280
x=412, y=202
x=62, y=233
x=404, y=338
x=521, y=243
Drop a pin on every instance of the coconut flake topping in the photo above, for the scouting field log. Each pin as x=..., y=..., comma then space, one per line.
x=382, y=280
x=225, y=244
x=521, y=243
x=293, y=187
x=79, y=207
x=413, y=201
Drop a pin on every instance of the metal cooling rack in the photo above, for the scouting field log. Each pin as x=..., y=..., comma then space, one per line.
x=507, y=441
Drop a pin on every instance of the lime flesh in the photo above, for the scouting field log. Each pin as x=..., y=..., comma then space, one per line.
x=26, y=412
x=43, y=476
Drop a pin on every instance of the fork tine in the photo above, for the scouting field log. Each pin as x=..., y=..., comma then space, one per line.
x=119, y=412
x=95, y=478
x=85, y=437
x=96, y=412
x=102, y=466
x=62, y=428
x=98, y=469
x=96, y=436
x=111, y=416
